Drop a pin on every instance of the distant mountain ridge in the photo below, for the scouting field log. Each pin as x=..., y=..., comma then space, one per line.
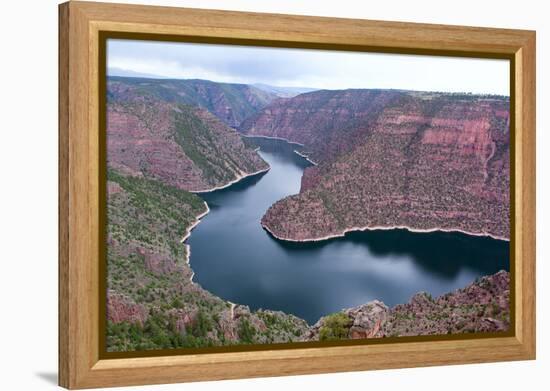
x=284, y=92
x=231, y=103
x=114, y=71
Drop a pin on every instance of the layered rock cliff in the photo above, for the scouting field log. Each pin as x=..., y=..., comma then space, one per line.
x=424, y=161
x=180, y=145
x=328, y=122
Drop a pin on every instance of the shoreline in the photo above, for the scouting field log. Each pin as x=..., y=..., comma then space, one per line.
x=303, y=155
x=239, y=178
x=199, y=217
x=272, y=138
x=188, y=232
x=382, y=228
x=187, y=235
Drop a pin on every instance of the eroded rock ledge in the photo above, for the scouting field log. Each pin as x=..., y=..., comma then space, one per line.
x=483, y=306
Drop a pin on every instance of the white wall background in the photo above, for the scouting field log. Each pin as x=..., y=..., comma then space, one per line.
x=28, y=207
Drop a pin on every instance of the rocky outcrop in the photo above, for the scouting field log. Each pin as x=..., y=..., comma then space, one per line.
x=386, y=159
x=483, y=306
x=184, y=319
x=367, y=320
x=364, y=321
x=156, y=263
x=122, y=309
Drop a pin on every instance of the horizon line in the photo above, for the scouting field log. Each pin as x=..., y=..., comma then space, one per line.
x=313, y=89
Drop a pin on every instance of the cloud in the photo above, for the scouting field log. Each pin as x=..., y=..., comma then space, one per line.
x=309, y=68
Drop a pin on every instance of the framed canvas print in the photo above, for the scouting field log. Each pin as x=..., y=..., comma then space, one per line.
x=247, y=195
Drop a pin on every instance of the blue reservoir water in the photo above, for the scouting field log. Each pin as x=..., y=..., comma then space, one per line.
x=236, y=259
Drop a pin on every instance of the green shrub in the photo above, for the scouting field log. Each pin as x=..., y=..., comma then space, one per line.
x=246, y=331
x=335, y=326
x=177, y=303
x=202, y=325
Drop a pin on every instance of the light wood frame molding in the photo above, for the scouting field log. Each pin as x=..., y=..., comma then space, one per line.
x=80, y=24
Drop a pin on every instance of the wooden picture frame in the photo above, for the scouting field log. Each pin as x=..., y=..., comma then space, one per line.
x=81, y=25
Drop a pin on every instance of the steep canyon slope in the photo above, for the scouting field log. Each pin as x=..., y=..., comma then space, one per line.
x=230, y=102
x=158, y=149
x=152, y=302
x=390, y=158
x=181, y=145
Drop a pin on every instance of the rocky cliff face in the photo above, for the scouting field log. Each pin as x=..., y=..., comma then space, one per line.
x=393, y=159
x=231, y=103
x=483, y=306
x=329, y=123
x=180, y=145
x=123, y=309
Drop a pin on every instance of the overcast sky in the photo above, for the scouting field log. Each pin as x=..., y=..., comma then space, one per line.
x=306, y=68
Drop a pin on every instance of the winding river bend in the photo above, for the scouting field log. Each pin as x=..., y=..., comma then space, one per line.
x=235, y=258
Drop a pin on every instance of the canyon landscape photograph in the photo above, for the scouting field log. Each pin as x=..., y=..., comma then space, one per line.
x=262, y=195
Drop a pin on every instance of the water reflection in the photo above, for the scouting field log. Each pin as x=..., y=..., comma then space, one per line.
x=234, y=258
x=442, y=253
